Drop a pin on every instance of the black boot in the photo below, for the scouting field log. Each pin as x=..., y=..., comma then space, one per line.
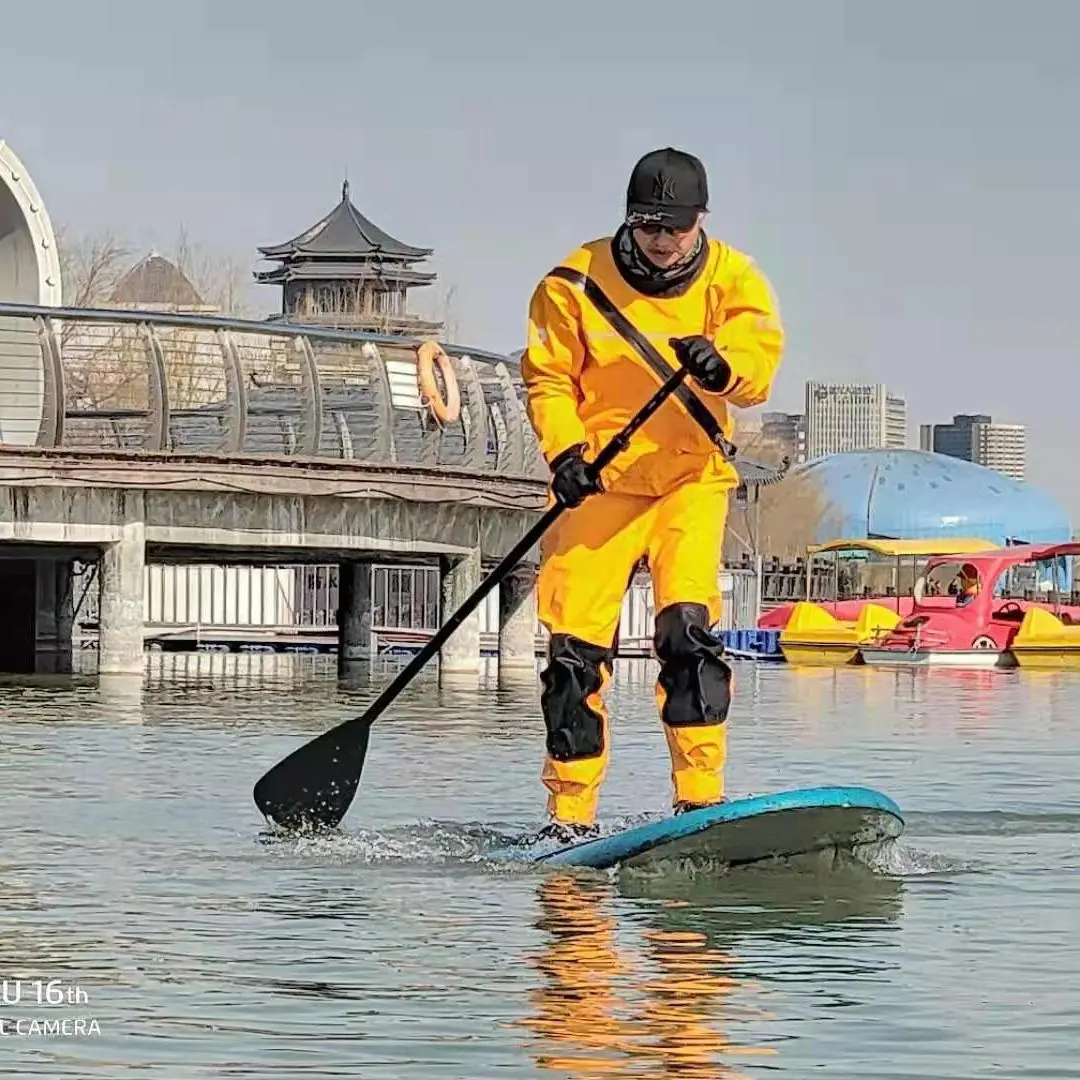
x=686, y=807
x=565, y=832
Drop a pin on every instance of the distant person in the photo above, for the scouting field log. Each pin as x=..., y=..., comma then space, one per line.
x=677, y=296
x=967, y=585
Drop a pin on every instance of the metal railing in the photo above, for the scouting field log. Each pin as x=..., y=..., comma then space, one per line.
x=132, y=380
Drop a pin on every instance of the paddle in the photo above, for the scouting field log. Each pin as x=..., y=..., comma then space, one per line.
x=312, y=788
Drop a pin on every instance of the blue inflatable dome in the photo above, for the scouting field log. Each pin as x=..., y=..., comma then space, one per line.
x=915, y=494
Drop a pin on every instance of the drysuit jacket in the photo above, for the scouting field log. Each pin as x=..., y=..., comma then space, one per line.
x=585, y=382
x=665, y=500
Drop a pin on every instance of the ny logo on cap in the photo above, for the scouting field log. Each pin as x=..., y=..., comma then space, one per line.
x=664, y=189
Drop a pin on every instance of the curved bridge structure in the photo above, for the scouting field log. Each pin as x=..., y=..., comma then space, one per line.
x=30, y=274
x=130, y=381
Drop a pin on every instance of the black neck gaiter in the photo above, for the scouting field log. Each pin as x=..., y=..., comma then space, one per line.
x=651, y=280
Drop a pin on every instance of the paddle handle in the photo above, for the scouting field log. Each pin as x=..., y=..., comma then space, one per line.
x=607, y=454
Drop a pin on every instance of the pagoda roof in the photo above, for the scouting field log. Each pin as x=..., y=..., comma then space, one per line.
x=344, y=232
x=341, y=271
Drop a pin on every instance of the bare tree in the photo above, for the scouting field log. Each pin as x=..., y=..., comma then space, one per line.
x=106, y=364
x=449, y=314
x=780, y=519
x=91, y=266
x=442, y=307
x=220, y=279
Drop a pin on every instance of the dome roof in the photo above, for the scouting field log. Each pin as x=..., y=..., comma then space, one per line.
x=156, y=280
x=915, y=494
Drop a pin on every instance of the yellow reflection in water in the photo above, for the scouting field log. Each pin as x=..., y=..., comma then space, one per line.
x=606, y=1009
x=680, y=1002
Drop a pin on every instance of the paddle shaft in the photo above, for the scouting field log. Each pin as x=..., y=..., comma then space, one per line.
x=316, y=782
x=608, y=454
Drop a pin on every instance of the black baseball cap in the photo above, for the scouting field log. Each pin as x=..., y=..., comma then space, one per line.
x=667, y=187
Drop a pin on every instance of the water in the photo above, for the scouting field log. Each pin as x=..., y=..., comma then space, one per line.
x=136, y=869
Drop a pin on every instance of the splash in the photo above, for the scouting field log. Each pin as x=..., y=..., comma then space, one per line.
x=509, y=848
x=503, y=848
x=898, y=859
x=425, y=843
x=498, y=846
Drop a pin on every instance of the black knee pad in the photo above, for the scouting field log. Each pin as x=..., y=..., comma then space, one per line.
x=695, y=677
x=574, y=672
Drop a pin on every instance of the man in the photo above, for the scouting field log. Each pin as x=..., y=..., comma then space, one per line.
x=605, y=328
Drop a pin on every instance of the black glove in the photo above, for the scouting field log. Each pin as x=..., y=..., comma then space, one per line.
x=699, y=356
x=571, y=481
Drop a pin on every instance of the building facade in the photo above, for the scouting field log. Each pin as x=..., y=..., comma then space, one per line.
x=787, y=432
x=842, y=417
x=158, y=284
x=975, y=437
x=1002, y=447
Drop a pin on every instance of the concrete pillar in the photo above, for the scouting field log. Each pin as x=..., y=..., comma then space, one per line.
x=64, y=573
x=460, y=656
x=356, y=643
x=517, y=625
x=120, y=604
x=54, y=619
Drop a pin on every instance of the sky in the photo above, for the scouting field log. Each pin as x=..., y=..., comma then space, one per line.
x=905, y=174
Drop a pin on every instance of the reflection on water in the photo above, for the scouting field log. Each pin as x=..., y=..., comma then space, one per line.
x=577, y=1006
x=135, y=863
x=663, y=991
x=658, y=1006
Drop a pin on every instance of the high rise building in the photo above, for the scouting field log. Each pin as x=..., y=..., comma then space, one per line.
x=1002, y=447
x=975, y=437
x=853, y=416
x=955, y=439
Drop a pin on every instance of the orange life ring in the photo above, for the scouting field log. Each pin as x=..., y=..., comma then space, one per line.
x=428, y=355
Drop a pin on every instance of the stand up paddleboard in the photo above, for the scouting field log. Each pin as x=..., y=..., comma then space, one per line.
x=782, y=825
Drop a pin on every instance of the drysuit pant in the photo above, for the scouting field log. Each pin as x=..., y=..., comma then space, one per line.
x=587, y=560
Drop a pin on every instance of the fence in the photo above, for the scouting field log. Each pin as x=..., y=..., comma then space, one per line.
x=296, y=603
x=131, y=381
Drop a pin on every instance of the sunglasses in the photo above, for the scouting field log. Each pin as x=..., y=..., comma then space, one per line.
x=656, y=230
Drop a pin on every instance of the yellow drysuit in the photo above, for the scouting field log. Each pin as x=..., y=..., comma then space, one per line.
x=665, y=499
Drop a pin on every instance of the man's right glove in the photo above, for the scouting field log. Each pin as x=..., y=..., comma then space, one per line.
x=571, y=480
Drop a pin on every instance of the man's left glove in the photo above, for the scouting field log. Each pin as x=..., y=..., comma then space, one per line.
x=699, y=356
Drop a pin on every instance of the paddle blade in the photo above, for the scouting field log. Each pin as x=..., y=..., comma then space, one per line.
x=311, y=790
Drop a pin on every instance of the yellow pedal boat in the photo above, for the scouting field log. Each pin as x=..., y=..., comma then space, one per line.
x=813, y=636
x=830, y=632
x=1046, y=641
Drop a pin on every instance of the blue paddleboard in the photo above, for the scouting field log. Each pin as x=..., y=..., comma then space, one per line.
x=780, y=825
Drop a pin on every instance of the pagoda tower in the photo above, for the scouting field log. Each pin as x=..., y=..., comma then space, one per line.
x=346, y=272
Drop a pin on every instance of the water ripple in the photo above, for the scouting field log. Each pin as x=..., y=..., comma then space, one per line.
x=136, y=866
